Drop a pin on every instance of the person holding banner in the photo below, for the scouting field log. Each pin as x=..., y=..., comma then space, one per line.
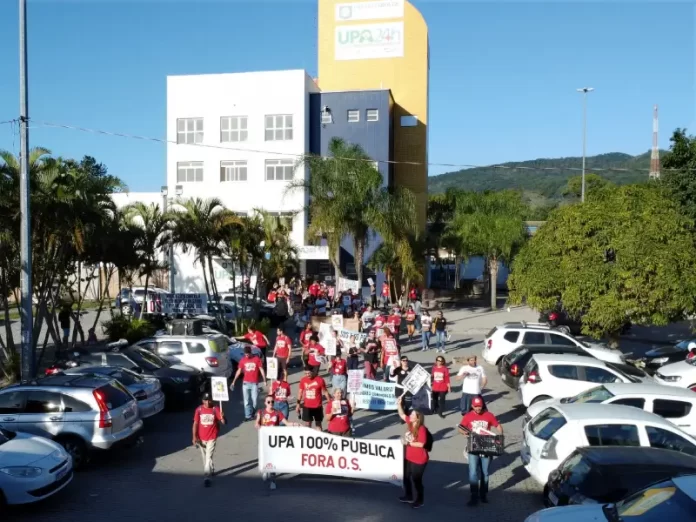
x=206, y=427
x=312, y=389
x=339, y=413
x=415, y=455
x=281, y=352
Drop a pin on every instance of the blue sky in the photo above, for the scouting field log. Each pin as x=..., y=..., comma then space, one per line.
x=503, y=75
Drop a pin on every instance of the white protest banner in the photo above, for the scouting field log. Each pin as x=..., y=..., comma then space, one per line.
x=324, y=331
x=344, y=285
x=330, y=346
x=376, y=395
x=345, y=335
x=190, y=304
x=337, y=321
x=355, y=378
x=219, y=387
x=306, y=451
x=271, y=368
x=415, y=379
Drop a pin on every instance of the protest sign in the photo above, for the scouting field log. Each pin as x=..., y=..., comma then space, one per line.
x=345, y=335
x=376, y=395
x=416, y=378
x=370, y=281
x=218, y=385
x=355, y=378
x=272, y=368
x=190, y=304
x=344, y=285
x=330, y=346
x=325, y=331
x=337, y=321
x=306, y=451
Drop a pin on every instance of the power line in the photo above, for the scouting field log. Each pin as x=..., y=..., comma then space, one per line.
x=300, y=156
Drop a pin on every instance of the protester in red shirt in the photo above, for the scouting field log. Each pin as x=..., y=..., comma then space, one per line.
x=312, y=389
x=314, y=289
x=385, y=293
x=273, y=294
x=252, y=367
x=280, y=391
x=380, y=320
x=413, y=294
x=390, y=349
x=269, y=416
x=256, y=338
x=371, y=352
x=410, y=322
x=305, y=336
x=394, y=323
x=441, y=385
x=478, y=418
x=416, y=455
x=315, y=351
x=339, y=372
x=339, y=412
x=206, y=426
x=281, y=352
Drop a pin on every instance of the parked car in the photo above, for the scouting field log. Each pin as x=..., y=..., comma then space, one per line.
x=207, y=352
x=32, y=468
x=181, y=384
x=147, y=390
x=130, y=298
x=559, y=430
x=677, y=405
x=83, y=413
x=503, y=339
x=680, y=374
x=607, y=474
x=230, y=310
x=551, y=376
x=513, y=364
x=658, y=357
x=670, y=500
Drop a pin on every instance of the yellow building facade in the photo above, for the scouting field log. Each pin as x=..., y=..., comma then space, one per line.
x=383, y=44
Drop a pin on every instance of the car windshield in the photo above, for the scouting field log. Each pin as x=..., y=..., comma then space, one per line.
x=126, y=377
x=598, y=394
x=664, y=501
x=684, y=345
x=624, y=370
x=517, y=354
x=148, y=360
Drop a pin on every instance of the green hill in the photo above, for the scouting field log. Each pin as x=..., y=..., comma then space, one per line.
x=544, y=177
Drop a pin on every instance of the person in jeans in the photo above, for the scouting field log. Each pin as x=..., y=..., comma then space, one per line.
x=339, y=372
x=475, y=380
x=206, y=426
x=441, y=385
x=415, y=456
x=252, y=368
x=440, y=326
x=479, y=418
x=426, y=325
x=280, y=392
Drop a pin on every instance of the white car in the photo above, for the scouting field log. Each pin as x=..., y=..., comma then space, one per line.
x=679, y=374
x=503, y=339
x=207, y=353
x=676, y=405
x=32, y=468
x=559, y=430
x=555, y=376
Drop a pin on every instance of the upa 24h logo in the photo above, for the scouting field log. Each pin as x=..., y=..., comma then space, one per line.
x=368, y=37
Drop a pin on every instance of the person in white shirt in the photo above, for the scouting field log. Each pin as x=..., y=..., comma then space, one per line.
x=426, y=324
x=475, y=380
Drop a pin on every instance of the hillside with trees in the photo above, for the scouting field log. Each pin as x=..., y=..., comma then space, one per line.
x=544, y=179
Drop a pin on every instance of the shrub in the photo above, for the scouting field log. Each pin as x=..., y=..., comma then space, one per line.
x=264, y=326
x=132, y=330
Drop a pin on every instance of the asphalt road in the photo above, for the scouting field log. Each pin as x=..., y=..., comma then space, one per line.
x=161, y=480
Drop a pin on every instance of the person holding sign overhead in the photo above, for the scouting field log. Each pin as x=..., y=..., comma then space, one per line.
x=339, y=413
x=206, y=426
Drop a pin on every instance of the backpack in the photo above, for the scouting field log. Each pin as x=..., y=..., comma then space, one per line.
x=428, y=446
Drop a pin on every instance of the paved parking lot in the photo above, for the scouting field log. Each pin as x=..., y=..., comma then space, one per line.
x=161, y=480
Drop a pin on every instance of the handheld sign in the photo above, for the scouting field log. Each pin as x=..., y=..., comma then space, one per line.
x=272, y=368
x=218, y=385
x=337, y=321
x=415, y=380
x=330, y=346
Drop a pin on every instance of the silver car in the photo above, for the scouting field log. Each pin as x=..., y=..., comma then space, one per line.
x=207, y=353
x=147, y=390
x=83, y=413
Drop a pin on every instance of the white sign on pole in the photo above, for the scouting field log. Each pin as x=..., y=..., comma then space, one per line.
x=355, y=379
x=325, y=331
x=330, y=346
x=306, y=451
x=376, y=10
x=337, y=321
x=370, y=41
x=189, y=304
x=219, y=387
x=416, y=378
x=272, y=368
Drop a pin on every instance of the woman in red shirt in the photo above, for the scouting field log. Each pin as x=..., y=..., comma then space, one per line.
x=339, y=413
x=415, y=455
x=410, y=322
x=339, y=372
x=305, y=336
x=269, y=416
x=441, y=385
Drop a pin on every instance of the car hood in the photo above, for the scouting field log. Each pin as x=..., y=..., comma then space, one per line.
x=604, y=353
x=540, y=406
x=26, y=449
x=664, y=351
x=585, y=513
x=677, y=368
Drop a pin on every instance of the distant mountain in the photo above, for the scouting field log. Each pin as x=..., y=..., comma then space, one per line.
x=548, y=184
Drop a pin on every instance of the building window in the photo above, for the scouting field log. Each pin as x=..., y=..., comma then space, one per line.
x=409, y=121
x=189, y=130
x=279, y=127
x=189, y=171
x=353, y=116
x=233, y=129
x=326, y=117
x=280, y=170
x=233, y=171
x=284, y=219
x=372, y=114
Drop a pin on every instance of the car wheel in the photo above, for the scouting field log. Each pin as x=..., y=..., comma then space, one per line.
x=76, y=448
x=564, y=329
x=127, y=310
x=539, y=399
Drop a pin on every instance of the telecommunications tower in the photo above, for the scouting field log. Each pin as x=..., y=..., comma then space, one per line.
x=655, y=154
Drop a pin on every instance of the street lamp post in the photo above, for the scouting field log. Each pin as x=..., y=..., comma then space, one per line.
x=584, y=92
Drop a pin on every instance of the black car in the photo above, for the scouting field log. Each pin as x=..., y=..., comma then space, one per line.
x=180, y=383
x=658, y=357
x=607, y=474
x=512, y=365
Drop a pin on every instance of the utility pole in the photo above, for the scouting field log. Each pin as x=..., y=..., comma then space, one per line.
x=584, y=92
x=27, y=358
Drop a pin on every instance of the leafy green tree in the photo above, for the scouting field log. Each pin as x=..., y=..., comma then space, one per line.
x=593, y=184
x=490, y=224
x=681, y=183
x=626, y=254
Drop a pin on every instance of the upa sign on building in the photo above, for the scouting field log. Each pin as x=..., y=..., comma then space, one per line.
x=370, y=41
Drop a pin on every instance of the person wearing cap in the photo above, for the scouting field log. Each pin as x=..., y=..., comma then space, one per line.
x=206, y=426
x=476, y=420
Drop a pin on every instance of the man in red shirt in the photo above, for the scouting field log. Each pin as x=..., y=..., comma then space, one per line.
x=394, y=324
x=339, y=412
x=314, y=289
x=316, y=351
x=312, y=389
x=256, y=338
x=252, y=367
x=478, y=420
x=206, y=426
x=280, y=392
x=281, y=352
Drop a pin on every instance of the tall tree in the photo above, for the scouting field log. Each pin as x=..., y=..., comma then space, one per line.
x=593, y=184
x=681, y=183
